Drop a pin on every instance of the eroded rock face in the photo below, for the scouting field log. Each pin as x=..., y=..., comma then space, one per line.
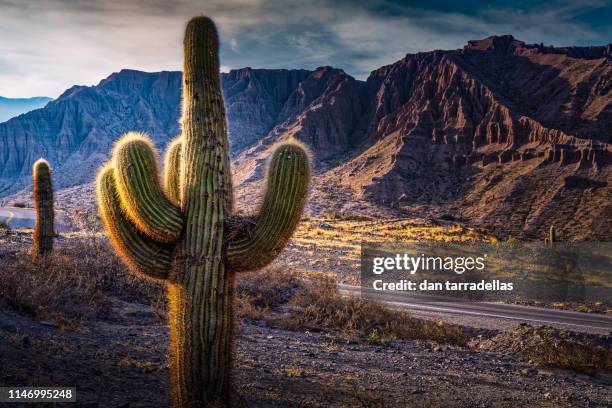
x=324, y=112
x=76, y=131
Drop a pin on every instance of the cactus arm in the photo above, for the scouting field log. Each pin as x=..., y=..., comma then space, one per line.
x=172, y=170
x=254, y=244
x=141, y=254
x=142, y=197
x=43, y=203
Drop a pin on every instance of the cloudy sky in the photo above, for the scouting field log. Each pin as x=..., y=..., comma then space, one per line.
x=48, y=45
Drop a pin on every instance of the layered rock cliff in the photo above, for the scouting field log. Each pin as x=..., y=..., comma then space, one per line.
x=499, y=133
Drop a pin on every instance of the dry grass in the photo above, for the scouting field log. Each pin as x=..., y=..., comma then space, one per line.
x=384, y=231
x=260, y=294
x=347, y=235
x=282, y=298
x=80, y=279
x=72, y=284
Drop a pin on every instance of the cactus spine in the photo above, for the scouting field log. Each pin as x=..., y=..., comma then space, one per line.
x=184, y=231
x=43, y=204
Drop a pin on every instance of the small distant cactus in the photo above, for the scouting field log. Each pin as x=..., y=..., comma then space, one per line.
x=185, y=233
x=552, y=236
x=43, y=203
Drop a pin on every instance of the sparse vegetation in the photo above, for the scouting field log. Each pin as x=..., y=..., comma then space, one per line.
x=282, y=298
x=73, y=283
x=80, y=280
x=321, y=305
x=547, y=346
x=86, y=219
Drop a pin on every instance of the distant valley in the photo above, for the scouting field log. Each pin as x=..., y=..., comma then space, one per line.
x=11, y=107
x=499, y=134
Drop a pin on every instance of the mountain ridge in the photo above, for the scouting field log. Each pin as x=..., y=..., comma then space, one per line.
x=463, y=133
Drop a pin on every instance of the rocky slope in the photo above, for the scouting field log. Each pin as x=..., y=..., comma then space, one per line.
x=502, y=134
x=75, y=131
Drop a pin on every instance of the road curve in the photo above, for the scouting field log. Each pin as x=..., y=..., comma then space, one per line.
x=527, y=314
x=24, y=218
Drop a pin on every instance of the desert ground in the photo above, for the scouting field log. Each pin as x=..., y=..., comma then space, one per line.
x=84, y=321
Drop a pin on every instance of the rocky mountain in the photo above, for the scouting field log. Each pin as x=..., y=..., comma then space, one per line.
x=510, y=136
x=11, y=107
x=503, y=134
x=76, y=131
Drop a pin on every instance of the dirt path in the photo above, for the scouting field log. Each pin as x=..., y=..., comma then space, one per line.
x=123, y=364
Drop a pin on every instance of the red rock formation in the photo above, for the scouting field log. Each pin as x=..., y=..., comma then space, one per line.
x=490, y=104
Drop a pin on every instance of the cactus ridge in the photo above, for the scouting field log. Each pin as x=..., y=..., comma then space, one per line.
x=142, y=198
x=43, y=203
x=142, y=255
x=172, y=170
x=185, y=232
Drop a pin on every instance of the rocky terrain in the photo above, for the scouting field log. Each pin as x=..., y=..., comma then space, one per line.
x=501, y=134
x=276, y=367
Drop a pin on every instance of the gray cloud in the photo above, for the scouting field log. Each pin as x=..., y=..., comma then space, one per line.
x=47, y=46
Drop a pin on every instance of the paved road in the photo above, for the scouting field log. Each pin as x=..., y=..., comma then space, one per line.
x=527, y=314
x=23, y=218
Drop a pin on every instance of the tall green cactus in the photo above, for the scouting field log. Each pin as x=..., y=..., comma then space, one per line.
x=42, y=242
x=184, y=232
